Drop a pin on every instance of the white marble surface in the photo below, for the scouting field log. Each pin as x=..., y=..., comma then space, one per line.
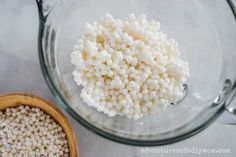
x=20, y=71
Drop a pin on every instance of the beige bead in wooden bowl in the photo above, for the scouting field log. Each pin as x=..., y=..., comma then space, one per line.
x=18, y=99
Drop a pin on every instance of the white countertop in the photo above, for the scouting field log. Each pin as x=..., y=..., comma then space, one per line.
x=20, y=71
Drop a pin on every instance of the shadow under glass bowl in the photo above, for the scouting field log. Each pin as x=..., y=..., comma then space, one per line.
x=205, y=31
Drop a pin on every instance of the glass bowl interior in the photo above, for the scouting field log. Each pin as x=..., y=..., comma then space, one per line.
x=192, y=24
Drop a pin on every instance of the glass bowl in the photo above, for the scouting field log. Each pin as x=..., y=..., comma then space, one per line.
x=205, y=30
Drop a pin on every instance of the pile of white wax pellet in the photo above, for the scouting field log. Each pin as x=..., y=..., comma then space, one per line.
x=128, y=67
x=29, y=132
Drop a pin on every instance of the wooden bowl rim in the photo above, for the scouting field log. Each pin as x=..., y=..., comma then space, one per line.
x=26, y=96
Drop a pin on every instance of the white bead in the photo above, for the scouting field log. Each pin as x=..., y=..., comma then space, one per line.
x=103, y=55
x=90, y=48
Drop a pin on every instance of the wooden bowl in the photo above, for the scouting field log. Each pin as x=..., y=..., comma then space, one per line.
x=17, y=99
